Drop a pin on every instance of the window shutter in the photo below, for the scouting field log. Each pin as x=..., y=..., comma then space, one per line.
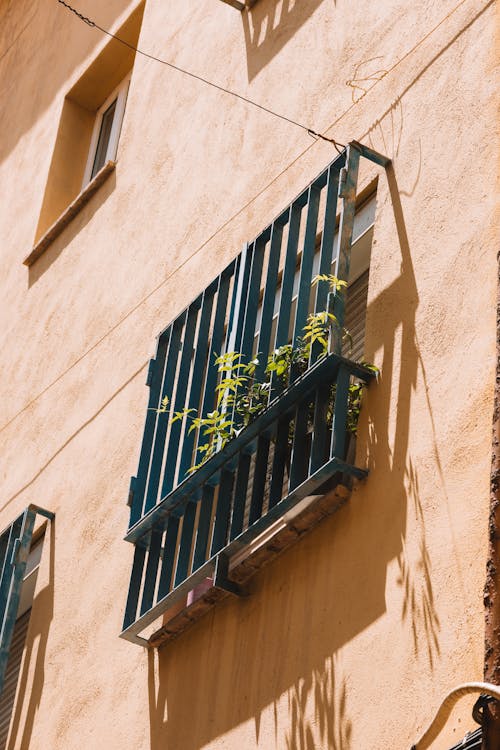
x=355, y=317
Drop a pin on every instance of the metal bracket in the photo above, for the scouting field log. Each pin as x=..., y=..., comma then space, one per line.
x=371, y=154
x=15, y=551
x=41, y=511
x=130, y=497
x=221, y=580
x=149, y=377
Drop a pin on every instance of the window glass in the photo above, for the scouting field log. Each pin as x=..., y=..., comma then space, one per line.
x=104, y=138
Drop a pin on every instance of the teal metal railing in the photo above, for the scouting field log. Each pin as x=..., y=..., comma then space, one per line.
x=15, y=543
x=184, y=523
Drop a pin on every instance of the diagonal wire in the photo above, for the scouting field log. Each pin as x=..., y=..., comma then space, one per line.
x=338, y=146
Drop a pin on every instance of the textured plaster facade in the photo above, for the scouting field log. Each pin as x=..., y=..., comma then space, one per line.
x=351, y=638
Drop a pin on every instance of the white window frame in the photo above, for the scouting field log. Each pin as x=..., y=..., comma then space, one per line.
x=120, y=95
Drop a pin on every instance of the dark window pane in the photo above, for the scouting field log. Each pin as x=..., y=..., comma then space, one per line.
x=104, y=135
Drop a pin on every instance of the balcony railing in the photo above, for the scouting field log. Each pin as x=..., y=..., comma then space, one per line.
x=191, y=526
x=15, y=543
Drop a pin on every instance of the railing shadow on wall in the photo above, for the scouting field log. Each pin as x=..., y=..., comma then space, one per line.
x=280, y=647
x=268, y=25
x=238, y=672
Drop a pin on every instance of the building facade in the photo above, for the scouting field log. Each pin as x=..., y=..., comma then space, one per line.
x=136, y=195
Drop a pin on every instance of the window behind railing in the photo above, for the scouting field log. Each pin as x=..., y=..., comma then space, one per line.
x=15, y=544
x=232, y=314
x=194, y=518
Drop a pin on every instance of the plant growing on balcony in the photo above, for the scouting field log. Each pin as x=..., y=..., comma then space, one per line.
x=240, y=397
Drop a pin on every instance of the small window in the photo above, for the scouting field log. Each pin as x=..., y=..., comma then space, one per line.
x=87, y=135
x=106, y=132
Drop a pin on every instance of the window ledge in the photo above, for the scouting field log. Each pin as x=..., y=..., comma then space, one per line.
x=72, y=210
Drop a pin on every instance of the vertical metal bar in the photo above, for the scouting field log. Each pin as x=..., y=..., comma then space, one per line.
x=4, y=543
x=17, y=564
x=288, y=275
x=186, y=543
x=180, y=398
x=222, y=512
x=281, y=456
x=200, y=550
x=151, y=570
x=215, y=346
x=287, y=285
x=163, y=417
x=347, y=191
x=169, y=552
x=156, y=369
x=266, y=319
x=306, y=265
x=252, y=298
x=259, y=478
x=134, y=587
x=327, y=240
x=319, y=444
x=299, y=461
x=240, y=494
x=339, y=425
x=251, y=307
x=202, y=353
x=328, y=234
x=238, y=300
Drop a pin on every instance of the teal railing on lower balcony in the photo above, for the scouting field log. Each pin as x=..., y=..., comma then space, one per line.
x=15, y=543
x=187, y=524
x=286, y=454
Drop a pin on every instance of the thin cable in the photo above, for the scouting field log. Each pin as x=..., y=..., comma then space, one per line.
x=338, y=146
x=219, y=229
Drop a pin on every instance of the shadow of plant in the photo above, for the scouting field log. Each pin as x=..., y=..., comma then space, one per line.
x=415, y=580
x=330, y=728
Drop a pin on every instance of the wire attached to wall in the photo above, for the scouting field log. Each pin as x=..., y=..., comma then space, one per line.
x=338, y=146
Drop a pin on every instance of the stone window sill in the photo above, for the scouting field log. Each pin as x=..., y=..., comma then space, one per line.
x=72, y=210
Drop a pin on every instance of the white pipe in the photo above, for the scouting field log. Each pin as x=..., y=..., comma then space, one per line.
x=446, y=708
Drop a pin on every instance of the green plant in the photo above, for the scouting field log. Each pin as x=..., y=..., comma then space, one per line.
x=240, y=397
x=281, y=360
x=337, y=286
x=354, y=399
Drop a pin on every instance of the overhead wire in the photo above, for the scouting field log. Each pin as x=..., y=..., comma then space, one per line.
x=225, y=223
x=93, y=24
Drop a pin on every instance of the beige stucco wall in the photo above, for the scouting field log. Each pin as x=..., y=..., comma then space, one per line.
x=351, y=638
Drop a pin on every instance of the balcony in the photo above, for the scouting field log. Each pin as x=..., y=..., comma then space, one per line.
x=210, y=506
x=15, y=543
